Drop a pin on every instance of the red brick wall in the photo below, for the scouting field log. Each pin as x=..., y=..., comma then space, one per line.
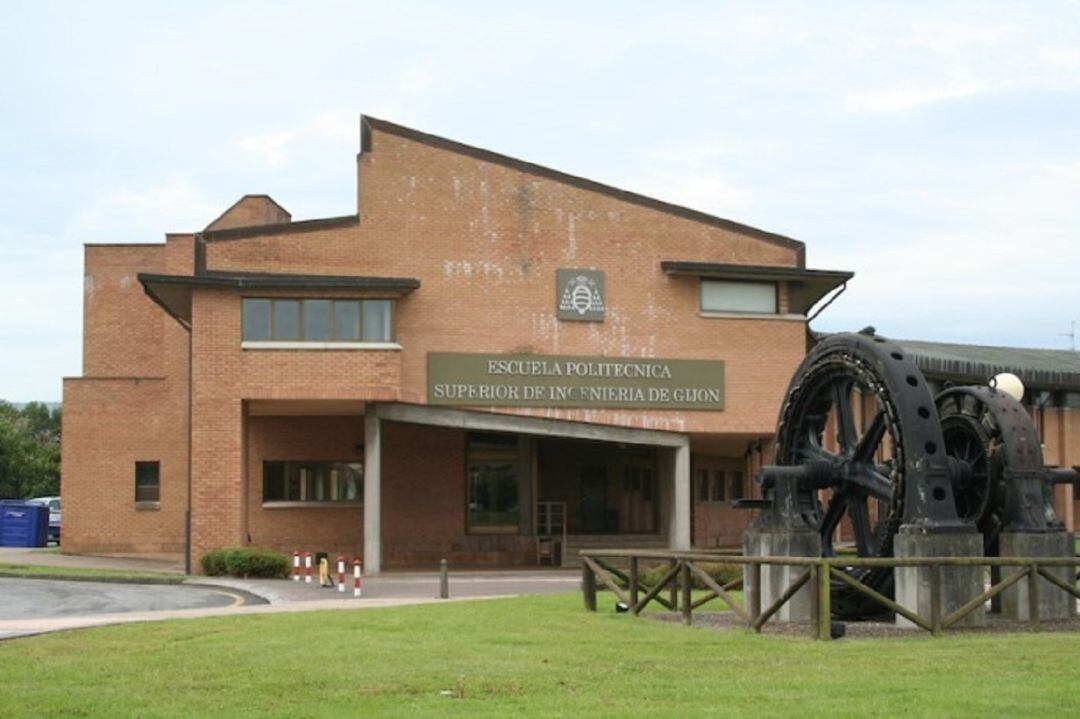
x=337, y=529
x=485, y=241
x=718, y=524
x=121, y=325
x=108, y=426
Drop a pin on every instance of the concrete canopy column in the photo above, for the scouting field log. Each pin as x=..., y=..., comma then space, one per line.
x=679, y=518
x=372, y=492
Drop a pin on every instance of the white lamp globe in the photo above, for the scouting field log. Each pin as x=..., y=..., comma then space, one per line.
x=1010, y=384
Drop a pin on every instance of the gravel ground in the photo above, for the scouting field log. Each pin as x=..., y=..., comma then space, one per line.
x=728, y=621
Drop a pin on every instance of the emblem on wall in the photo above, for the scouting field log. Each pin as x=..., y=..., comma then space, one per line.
x=580, y=295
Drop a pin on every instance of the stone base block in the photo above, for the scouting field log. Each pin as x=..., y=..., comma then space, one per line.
x=1053, y=602
x=776, y=578
x=958, y=584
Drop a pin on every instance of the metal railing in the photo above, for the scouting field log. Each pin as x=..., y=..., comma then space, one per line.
x=818, y=573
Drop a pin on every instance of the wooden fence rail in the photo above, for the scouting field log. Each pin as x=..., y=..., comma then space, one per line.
x=818, y=573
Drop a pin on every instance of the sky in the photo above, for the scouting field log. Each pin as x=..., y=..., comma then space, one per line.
x=933, y=148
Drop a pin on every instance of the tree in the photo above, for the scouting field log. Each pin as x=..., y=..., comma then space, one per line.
x=29, y=451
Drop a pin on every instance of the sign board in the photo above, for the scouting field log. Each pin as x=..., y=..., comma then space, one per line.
x=579, y=295
x=496, y=380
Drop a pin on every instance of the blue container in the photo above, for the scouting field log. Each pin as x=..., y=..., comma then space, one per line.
x=23, y=524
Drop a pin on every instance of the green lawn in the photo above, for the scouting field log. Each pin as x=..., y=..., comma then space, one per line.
x=532, y=656
x=42, y=571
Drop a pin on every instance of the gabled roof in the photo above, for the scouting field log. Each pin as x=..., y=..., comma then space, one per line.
x=367, y=124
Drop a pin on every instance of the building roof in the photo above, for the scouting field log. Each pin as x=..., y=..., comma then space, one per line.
x=173, y=292
x=1040, y=368
x=806, y=287
x=367, y=124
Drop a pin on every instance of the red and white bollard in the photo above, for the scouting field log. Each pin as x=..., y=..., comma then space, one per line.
x=307, y=567
x=296, y=566
x=341, y=573
x=358, y=589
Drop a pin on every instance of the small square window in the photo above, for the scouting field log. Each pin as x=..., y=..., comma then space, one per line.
x=147, y=481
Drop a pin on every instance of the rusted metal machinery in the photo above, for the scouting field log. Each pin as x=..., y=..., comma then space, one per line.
x=861, y=436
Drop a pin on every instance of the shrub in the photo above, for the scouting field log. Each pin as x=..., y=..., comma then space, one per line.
x=245, y=562
x=720, y=572
x=213, y=562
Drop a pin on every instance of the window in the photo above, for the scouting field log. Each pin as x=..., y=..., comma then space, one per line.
x=492, y=477
x=257, y=320
x=703, y=485
x=376, y=321
x=147, y=481
x=735, y=485
x=730, y=296
x=317, y=320
x=284, y=320
x=716, y=485
x=322, y=481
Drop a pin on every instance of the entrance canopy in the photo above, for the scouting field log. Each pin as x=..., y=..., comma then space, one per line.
x=673, y=457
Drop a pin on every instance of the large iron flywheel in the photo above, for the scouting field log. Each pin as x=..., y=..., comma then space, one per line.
x=860, y=419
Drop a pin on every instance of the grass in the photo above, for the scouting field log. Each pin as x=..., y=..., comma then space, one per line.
x=534, y=656
x=37, y=571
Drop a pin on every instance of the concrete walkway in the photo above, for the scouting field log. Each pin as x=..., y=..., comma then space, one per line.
x=389, y=589
x=52, y=558
x=11, y=629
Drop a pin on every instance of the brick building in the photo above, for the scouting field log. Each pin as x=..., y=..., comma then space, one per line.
x=487, y=354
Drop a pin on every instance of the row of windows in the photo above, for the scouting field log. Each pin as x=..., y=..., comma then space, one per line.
x=322, y=320
x=317, y=320
x=719, y=485
x=313, y=481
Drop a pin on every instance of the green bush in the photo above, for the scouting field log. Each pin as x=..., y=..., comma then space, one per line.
x=720, y=572
x=245, y=562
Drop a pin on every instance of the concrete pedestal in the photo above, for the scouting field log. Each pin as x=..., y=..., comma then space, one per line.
x=776, y=578
x=958, y=584
x=1053, y=602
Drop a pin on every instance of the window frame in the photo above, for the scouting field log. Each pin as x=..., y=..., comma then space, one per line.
x=143, y=501
x=775, y=312
x=498, y=449
x=303, y=502
x=332, y=319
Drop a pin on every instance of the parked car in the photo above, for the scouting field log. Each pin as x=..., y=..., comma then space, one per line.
x=54, y=515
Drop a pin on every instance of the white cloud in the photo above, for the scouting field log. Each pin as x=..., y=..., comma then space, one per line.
x=124, y=214
x=276, y=148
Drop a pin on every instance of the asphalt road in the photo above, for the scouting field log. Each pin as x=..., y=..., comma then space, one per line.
x=44, y=598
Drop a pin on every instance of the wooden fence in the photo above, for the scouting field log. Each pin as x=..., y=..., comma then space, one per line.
x=682, y=567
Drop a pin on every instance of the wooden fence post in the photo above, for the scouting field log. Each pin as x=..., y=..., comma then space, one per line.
x=588, y=586
x=687, y=585
x=1033, y=595
x=673, y=587
x=935, y=599
x=825, y=600
x=633, y=582
x=753, y=592
x=815, y=601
